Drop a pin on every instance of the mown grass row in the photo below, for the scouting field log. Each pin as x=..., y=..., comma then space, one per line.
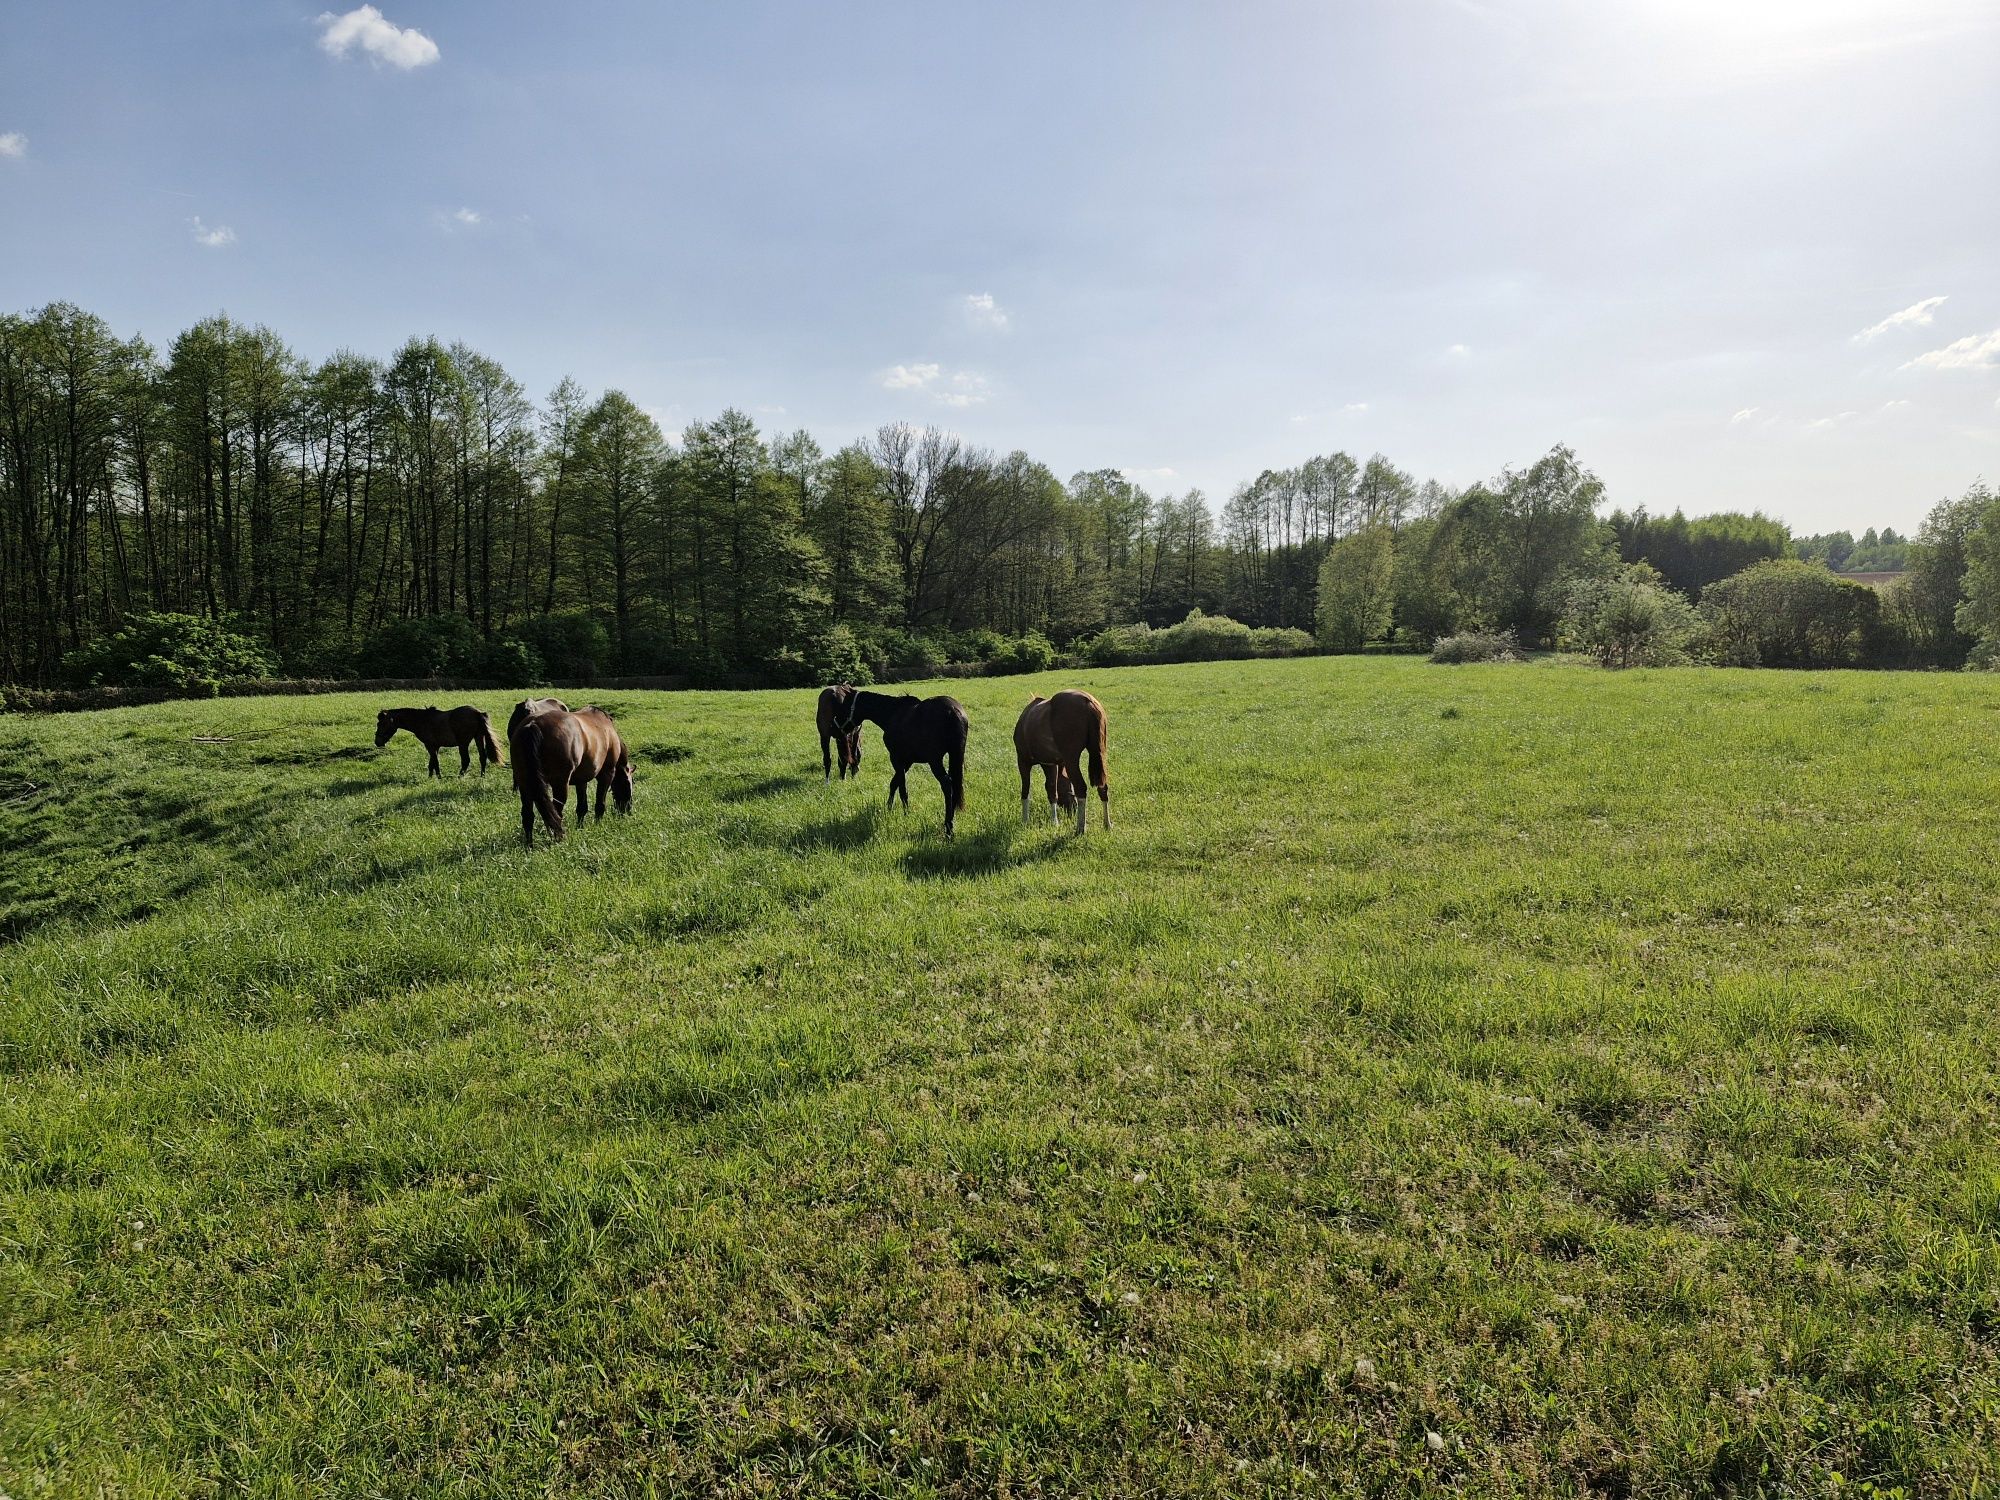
x=1503, y=1080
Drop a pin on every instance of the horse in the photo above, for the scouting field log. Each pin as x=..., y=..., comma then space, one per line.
x=554, y=750
x=528, y=707
x=435, y=727
x=1055, y=734
x=831, y=701
x=932, y=730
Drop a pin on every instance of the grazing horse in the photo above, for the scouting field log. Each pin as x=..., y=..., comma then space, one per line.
x=831, y=701
x=527, y=708
x=555, y=750
x=932, y=730
x=1055, y=734
x=435, y=727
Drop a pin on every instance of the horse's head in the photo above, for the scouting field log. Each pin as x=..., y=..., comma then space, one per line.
x=847, y=714
x=621, y=788
x=385, y=727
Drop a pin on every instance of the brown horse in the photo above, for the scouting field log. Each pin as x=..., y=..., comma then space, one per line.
x=462, y=726
x=555, y=750
x=831, y=701
x=1055, y=734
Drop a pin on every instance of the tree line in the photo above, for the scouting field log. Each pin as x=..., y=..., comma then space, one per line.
x=424, y=515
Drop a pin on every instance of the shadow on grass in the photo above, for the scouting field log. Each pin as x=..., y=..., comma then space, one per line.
x=664, y=755
x=763, y=786
x=973, y=855
x=849, y=832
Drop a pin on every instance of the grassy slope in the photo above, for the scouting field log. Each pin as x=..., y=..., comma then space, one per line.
x=1607, y=1061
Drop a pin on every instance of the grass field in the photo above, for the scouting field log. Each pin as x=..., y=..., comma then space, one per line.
x=1499, y=1080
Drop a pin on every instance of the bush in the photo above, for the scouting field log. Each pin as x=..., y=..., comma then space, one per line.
x=1280, y=640
x=1633, y=620
x=906, y=651
x=570, y=645
x=1787, y=613
x=178, y=655
x=1203, y=637
x=424, y=646
x=509, y=662
x=975, y=646
x=1120, y=645
x=1475, y=645
x=835, y=656
x=1033, y=652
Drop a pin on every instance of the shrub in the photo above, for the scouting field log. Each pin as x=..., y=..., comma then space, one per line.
x=424, y=646
x=1033, y=652
x=1787, y=613
x=1119, y=645
x=1632, y=620
x=835, y=656
x=510, y=662
x=572, y=645
x=1280, y=640
x=975, y=645
x=1474, y=645
x=181, y=655
x=1202, y=637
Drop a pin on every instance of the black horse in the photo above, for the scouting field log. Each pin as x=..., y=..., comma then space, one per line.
x=436, y=728
x=931, y=730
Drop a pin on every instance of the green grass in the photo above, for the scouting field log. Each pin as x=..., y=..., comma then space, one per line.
x=1598, y=1072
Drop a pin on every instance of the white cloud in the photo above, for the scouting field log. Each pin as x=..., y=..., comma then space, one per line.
x=981, y=311
x=1744, y=415
x=215, y=236
x=469, y=216
x=1896, y=405
x=383, y=41
x=1973, y=352
x=956, y=388
x=13, y=144
x=1458, y=351
x=1916, y=315
x=1354, y=408
x=1823, y=424
x=1140, y=476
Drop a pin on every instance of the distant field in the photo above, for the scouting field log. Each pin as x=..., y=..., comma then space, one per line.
x=1503, y=1080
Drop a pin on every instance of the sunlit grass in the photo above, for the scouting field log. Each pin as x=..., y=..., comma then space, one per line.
x=1594, y=1072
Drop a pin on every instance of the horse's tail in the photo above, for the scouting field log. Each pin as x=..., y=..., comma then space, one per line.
x=954, y=766
x=488, y=742
x=528, y=777
x=1094, y=750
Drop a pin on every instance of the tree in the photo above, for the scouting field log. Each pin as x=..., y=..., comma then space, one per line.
x=1357, y=589
x=1631, y=620
x=1925, y=603
x=618, y=449
x=1787, y=613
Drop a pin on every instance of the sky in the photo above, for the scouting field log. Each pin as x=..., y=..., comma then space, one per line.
x=1738, y=254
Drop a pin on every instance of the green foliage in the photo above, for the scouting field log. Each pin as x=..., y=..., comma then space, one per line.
x=349, y=1148
x=1475, y=646
x=1787, y=613
x=835, y=655
x=1357, y=589
x=1882, y=552
x=1692, y=554
x=1971, y=531
x=1033, y=652
x=509, y=661
x=1281, y=640
x=178, y=655
x=1631, y=620
x=573, y=646
x=428, y=646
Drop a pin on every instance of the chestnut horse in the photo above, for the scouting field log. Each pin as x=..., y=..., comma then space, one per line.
x=435, y=728
x=555, y=750
x=831, y=701
x=1055, y=734
x=932, y=730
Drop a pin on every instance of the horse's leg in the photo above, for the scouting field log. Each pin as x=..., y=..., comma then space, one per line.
x=1027, y=781
x=603, y=786
x=465, y=759
x=527, y=818
x=434, y=762
x=582, y=801
x=1079, y=788
x=826, y=758
x=944, y=782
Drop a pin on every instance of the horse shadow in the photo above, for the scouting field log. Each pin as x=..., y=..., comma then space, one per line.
x=850, y=832
x=763, y=786
x=972, y=856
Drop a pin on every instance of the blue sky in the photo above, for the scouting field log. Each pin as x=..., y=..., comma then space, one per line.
x=1190, y=241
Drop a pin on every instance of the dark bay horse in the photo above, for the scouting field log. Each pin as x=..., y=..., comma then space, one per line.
x=555, y=750
x=831, y=701
x=1055, y=734
x=436, y=727
x=931, y=730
